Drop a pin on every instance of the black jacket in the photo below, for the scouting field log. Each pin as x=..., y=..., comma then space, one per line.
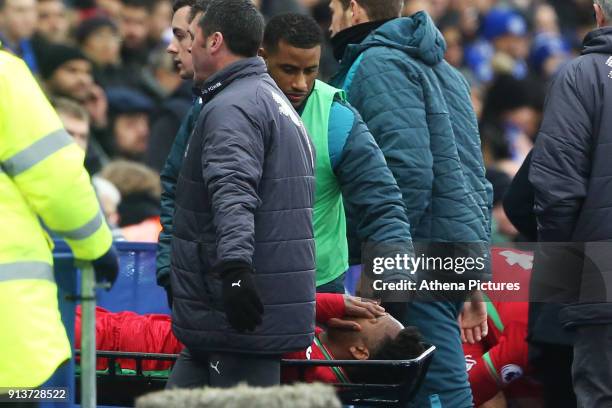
x=572, y=179
x=245, y=195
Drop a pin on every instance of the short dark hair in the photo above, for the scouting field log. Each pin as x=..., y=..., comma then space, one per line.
x=297, y=30
x=179, y=4
x=405, y=346
x=241, y=24
x=378, y=9
x=145, y=4
x=199, y=6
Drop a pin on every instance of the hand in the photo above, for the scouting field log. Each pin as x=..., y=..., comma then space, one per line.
x=356, y=307
x=473, y=320
x=242, y=304
x=106, y=267
x=97, y=106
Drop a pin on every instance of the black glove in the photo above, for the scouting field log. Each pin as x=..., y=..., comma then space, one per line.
x=242, y=305
x=107, y=266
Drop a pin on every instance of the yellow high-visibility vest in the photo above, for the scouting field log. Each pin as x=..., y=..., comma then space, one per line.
x=41, y=175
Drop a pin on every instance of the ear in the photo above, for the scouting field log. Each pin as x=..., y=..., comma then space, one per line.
x=262, y=53
x=600, y=17
x=217, y=42
x=358, y=13
x=359, y=352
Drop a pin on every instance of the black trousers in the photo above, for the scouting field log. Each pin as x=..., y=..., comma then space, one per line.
x=224, y=370
x=592, y=367
x=552, y=364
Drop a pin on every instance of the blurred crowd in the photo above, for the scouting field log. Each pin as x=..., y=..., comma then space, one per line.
x=105, y=67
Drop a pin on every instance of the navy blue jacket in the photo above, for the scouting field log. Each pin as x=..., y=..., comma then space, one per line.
x=571, y=175
x=244, y=196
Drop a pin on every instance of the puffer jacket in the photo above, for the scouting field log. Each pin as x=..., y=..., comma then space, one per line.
x=245, y=195
x=571, y=175
x=419, y=110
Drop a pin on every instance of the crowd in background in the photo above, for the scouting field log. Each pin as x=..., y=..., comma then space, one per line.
x=104, y=66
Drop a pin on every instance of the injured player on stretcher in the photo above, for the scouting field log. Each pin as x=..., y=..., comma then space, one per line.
x=354, y=330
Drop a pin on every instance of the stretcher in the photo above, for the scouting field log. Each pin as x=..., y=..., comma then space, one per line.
x=136, y=290
x=120, y=387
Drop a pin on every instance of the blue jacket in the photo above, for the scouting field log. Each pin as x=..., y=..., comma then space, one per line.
x=373, y=203
x=419, y=110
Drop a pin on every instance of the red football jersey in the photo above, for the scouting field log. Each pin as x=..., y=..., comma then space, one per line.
x=500, y=360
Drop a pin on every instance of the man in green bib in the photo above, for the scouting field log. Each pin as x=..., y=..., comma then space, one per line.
x=351, y=171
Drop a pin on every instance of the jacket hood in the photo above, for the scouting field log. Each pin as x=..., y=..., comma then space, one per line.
x=598, y=42
x=417, y=36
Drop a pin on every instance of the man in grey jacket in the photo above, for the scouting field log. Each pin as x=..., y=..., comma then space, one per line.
x=242, y=264
x=571, y=176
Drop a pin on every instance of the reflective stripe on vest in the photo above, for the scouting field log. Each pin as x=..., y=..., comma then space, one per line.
x=26, y=270
x=37, y=152
x=87, y=230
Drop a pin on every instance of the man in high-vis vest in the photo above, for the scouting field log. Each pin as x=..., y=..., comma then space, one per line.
x=41, y=177
x=351, y=171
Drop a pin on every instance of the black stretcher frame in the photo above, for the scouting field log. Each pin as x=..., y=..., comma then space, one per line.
x=118, y=389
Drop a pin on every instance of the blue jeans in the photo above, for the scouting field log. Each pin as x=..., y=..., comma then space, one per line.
x=446, y=383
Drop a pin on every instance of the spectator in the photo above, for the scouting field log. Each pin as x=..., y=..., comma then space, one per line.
x=351, y=169
x=66, y=72
x=53, y=24
x=139, y=207
x=110, y=8
x=134, y=29
x=546, y=20
x=17, y=26
x=110, y=198
x=549, y=53
x=159, y=26
x=245, y=193
x=394, y=74
x=163, y=78
x=99, y=39
x=129, y=112
x=504, y=46
x=569, y=173
x=75, y=120
x=510, y=121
